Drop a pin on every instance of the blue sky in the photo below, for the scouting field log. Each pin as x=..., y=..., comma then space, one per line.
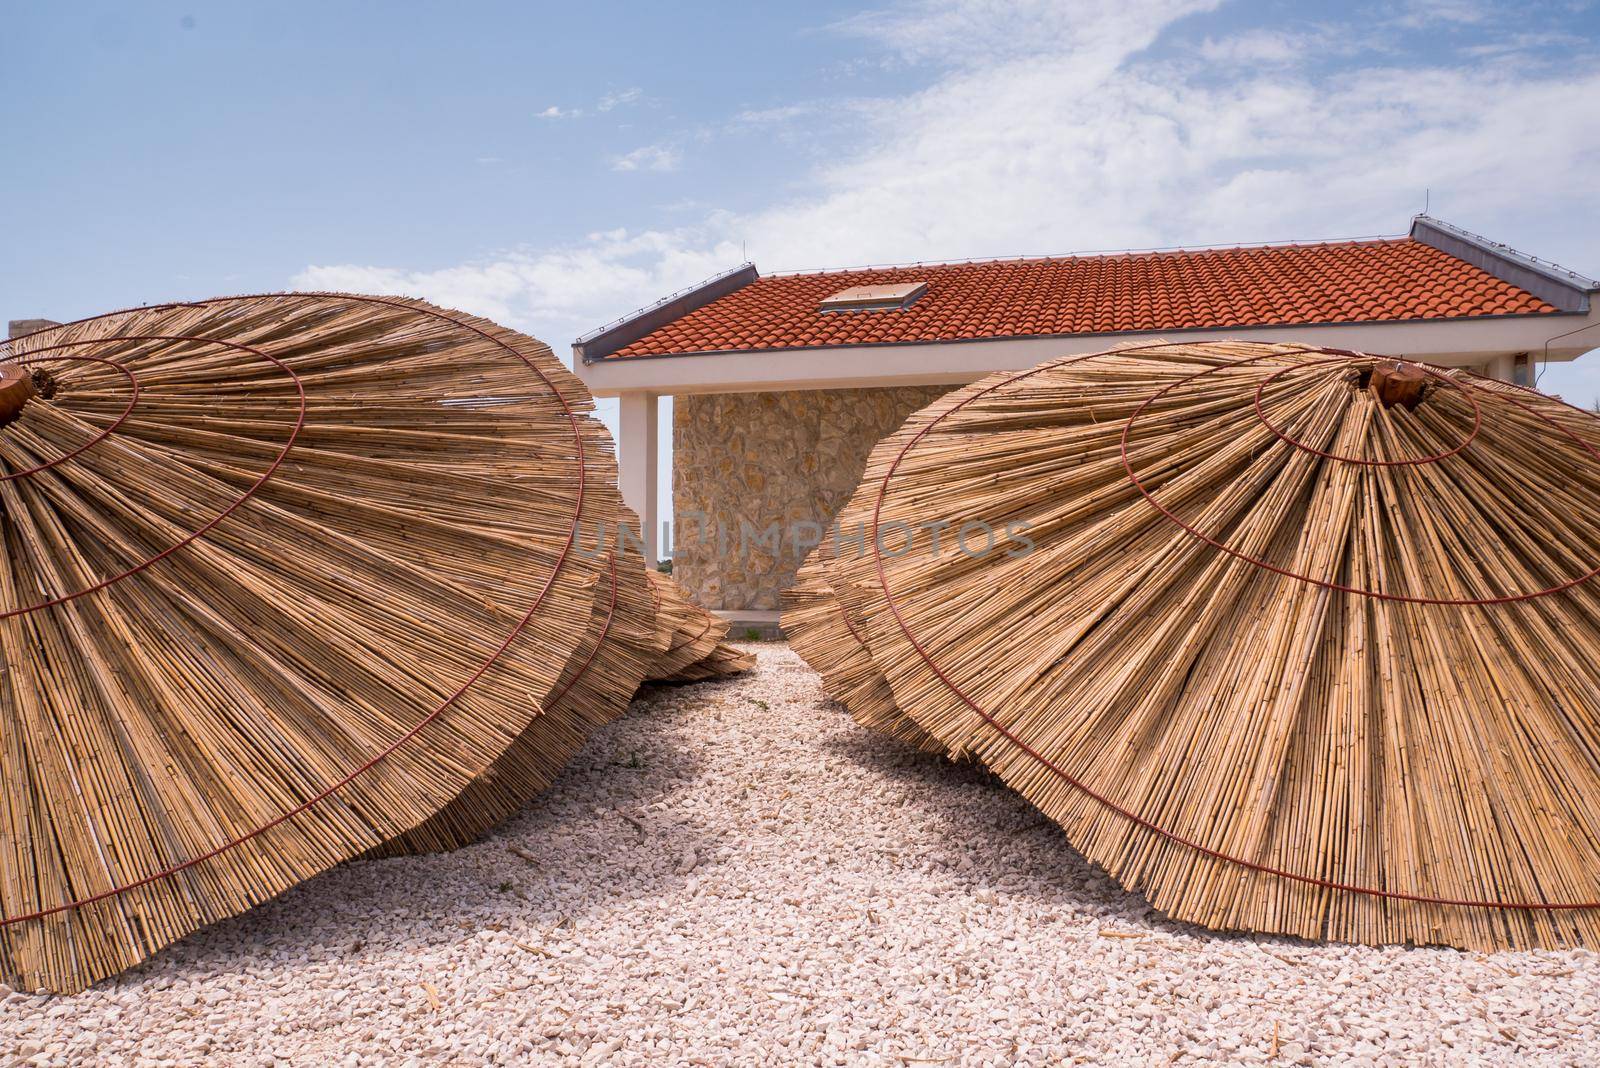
x=554, y=166
x=185, y=149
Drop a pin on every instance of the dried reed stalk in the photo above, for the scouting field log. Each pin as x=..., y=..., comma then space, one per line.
x=620, y=647
x=722, y=661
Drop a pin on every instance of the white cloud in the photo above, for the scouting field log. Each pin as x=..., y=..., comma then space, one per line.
x=1258, y=46
x=648, y=158
x=620, y=98
x=978, y=33
x=556, y=294
x=1518, y=44
x=1066, y=151
x=1419, y=13
x=771, y=116
x=1045, y=127
x=609, y=102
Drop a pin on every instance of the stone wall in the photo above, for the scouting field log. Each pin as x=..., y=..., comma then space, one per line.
x=749, y=462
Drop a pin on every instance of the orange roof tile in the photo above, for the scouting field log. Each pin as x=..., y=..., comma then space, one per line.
x=1342, y=282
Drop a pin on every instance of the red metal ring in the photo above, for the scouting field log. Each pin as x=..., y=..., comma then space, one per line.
x=1480, y=602
x=572, y=534
x=133, y=399
x=1477, y=417
x=1077, y=784
x=850, y=626
x=255, y=487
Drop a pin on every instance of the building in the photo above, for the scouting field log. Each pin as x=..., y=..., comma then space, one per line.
x=782, y=384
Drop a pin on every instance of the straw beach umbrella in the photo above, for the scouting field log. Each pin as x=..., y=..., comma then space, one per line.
x=290, y=579
x=284, y=574
x=1288, y=640
x=644, y=627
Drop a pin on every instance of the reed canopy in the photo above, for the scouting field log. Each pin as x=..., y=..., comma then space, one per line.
x=288, y=579
x=1287, y=640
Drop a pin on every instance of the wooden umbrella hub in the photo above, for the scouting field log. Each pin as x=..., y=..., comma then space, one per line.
x=16, y=390
x=1398, y=383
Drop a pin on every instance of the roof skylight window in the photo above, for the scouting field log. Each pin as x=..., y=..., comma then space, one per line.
x=874, y=298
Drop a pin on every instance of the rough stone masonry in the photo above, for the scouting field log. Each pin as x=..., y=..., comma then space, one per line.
x=754, y=474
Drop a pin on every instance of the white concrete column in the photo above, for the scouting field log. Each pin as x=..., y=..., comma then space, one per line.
x=1502, y=367
x=637, y=460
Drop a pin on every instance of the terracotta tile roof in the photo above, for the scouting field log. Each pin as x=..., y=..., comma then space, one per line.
x=1353, y=281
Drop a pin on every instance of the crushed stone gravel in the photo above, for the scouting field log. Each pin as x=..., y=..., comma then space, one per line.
x=734, y=873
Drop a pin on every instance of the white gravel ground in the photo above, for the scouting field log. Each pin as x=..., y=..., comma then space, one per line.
x=735, y=874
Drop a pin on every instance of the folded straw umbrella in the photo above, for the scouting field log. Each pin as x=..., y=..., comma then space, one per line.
x=644, y=627
x=1288, y=640
x=722, y=661
x=283, y=576
x=690, y=632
